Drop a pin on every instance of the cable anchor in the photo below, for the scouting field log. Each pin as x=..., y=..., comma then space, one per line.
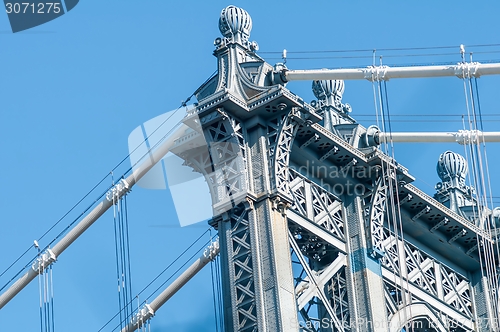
x=376, y=73
x=142, y=316
x=467, y=69
x=43, y=261
x=211, y=251
x=467, y=137
x=118, y=191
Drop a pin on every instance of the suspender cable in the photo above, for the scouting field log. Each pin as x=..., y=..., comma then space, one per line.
x=48, y=231
x=128, y=269
x=393, y=218
x=486, y=250
x=46, y=298
x=163, y=147
x=214, y=292
x=122, y=251
x=380, y=120
x=156, y=278
x=71, y=209
x=395, y=203
x=493, y=229
x=148, y=311
x=217, y=293
x=486, y=191
x=489, y=251
x=40, y=292
x=118, y=191
x=117, y=254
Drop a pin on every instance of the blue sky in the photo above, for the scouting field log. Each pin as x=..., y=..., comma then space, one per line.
x=72, y=90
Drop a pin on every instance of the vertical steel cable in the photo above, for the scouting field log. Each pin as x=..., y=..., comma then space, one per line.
x=484, y=247
x=46, y=297
x=214, y=291
x=393, y=190
x=482, y=207
x=123, y=274
x=129, y=270
x=52, y=300
x=219, y=292
x=486, y=188
x=115, y=228
x=381, y=124
x=40, y=293
x=123, y=265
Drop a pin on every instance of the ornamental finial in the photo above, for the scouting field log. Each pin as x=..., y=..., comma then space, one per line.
x=329, y=94
x=235, y=23
x=453, y=192
x=329, y=90
x=452, y=167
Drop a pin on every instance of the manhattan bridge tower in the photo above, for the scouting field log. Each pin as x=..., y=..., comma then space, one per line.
x=318, y=229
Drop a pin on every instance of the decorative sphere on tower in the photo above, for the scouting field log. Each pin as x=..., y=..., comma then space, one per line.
x=452, y=166
x=328, y=89
x=235, y=23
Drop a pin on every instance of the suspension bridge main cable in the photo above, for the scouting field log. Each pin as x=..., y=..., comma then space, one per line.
x=162, y=147
x=158, y=276
x=183, y=104
x=161, y=299
x=167, y=280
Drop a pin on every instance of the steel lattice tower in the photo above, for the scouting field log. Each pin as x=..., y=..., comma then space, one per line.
x=319, y=230
x=306, y=211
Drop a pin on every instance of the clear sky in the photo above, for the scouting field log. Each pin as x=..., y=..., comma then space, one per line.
x=72, y=90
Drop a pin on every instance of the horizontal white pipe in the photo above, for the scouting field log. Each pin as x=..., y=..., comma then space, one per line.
x=149, y=310
x=435, y=137
x=379, y=73
x=327, y=74
x=93, y=215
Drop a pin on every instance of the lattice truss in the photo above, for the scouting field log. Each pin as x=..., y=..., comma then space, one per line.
x=280, y=135
x=241, y=270
x=319, y=261
x=319, y=266
x=420, y=272
x=224, y=163
x=375, y=206
x=316, y=204
x=408, y=268
x=223, y=159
